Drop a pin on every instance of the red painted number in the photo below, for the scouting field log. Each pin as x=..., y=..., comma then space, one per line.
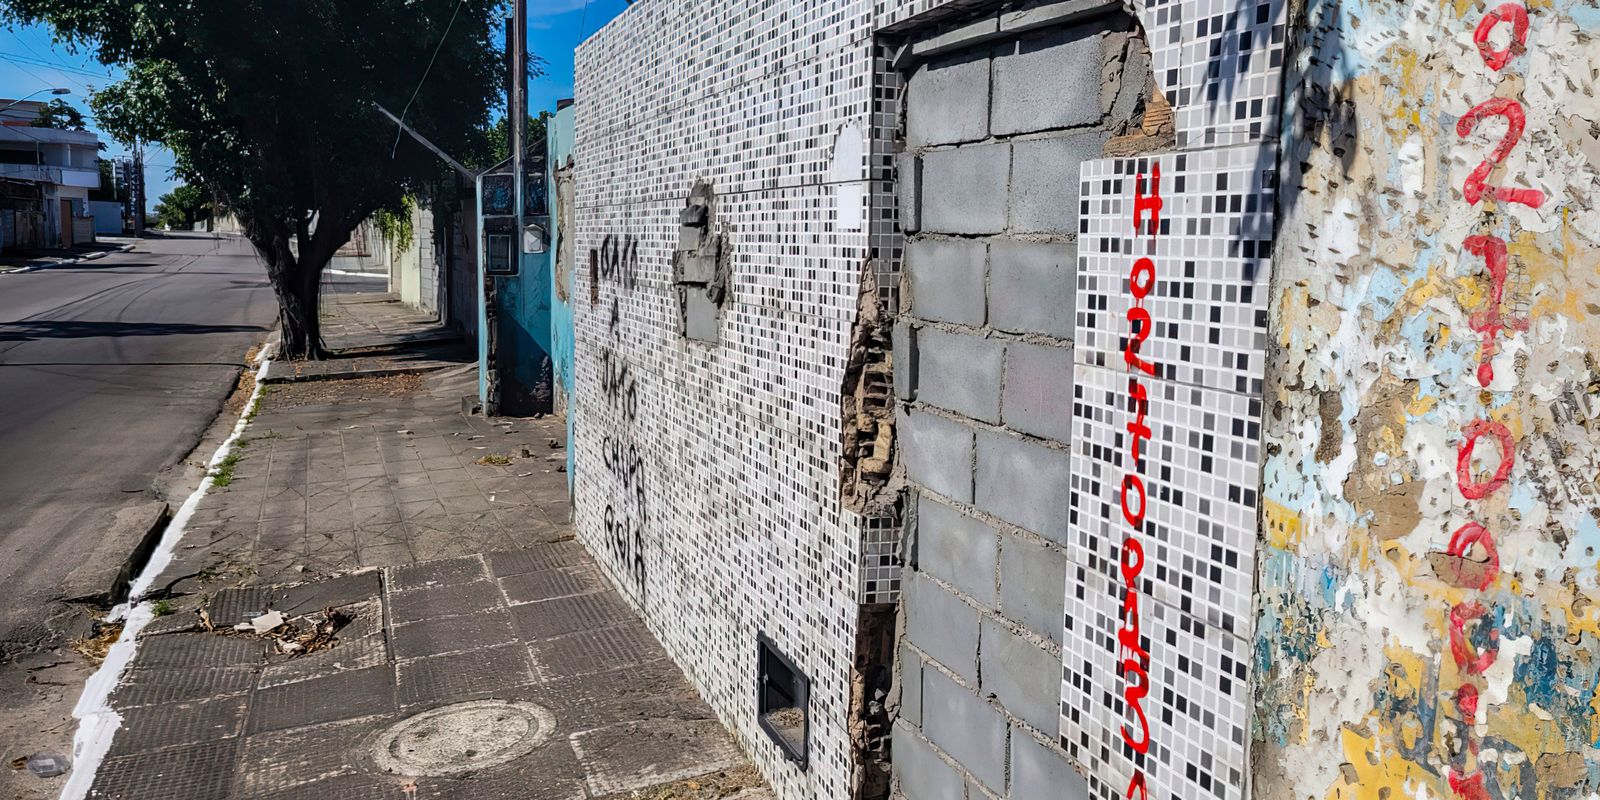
x=1477, y=182
x=1518, y=17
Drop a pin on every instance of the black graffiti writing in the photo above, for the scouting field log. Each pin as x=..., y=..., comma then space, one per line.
x=625, y=464
x=625, y=541
x=616, y=261
x=617, y=384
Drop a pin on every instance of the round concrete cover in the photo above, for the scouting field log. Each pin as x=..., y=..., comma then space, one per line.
x=462, y=738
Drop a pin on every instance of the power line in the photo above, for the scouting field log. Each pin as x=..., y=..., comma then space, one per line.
x=436, y=49
x=42, y=62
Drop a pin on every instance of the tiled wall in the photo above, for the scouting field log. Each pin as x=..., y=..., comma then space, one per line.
x=707, y=476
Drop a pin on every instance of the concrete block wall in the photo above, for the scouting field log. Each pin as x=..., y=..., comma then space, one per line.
x=994, y=130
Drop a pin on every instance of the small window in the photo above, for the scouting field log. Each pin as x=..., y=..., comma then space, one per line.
x=783, y=701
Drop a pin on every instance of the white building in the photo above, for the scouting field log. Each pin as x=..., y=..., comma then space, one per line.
x=48, y=175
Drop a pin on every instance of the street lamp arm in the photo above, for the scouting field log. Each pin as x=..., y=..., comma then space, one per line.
x=469, y=174
x=41, y=91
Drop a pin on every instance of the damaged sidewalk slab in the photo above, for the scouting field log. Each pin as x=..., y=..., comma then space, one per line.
x=517, y=674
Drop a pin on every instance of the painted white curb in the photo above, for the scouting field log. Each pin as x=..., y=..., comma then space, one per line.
x=97, y=722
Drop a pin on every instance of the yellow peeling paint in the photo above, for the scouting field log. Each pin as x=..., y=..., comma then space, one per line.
x=1374, y=772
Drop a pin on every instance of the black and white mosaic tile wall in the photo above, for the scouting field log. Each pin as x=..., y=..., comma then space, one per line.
x=1189, y=594
x=707, y=474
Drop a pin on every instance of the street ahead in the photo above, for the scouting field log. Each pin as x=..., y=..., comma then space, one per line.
x=110, y=371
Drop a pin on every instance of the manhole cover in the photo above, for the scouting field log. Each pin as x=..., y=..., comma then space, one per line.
x=462, y=738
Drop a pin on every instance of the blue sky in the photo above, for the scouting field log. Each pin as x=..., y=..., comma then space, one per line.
x=555, y=27
x=30, y=60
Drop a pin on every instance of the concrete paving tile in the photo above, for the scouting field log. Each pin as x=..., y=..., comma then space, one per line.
x=379, y=498
x=467, y=503
x=489, y=671
x=343, y=695
x=443, y=601
x=385, y=555
x=551, y=772
x=276, y=761
x=437, y=573
x=198, y=772
x=596, y=650
x=350, y=654
x=410, y=466
x=152, y=687
x=381, y=533
x=465, y=488
x=163, y=727
x=534, y=559
x=198, y=650
x=375, y=515
x=548, y=584
x=654, y=689
x=431, y=637
x=288, y=507
x=548, y=618
x=343, y=591
x=638, y=755
x=337, y=521
x=328, y=503
x=368, y=470
x=448, y=474
x=412, y=479
x=420, y=509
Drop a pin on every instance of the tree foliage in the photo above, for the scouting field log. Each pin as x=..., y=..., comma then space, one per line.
x=59, y=114
x=270, y=105
x=182, y=207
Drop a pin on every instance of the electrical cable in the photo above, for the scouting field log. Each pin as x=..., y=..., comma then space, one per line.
x=400, y=128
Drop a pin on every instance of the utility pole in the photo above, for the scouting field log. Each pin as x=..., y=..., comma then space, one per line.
x=138, y=188
x=519, y=98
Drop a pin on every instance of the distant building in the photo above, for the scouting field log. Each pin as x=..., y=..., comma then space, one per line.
x=45, y=178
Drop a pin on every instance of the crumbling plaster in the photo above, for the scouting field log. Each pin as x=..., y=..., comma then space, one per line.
x=1374, y=391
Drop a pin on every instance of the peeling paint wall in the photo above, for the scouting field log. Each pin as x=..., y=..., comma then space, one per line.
x=1427, y=623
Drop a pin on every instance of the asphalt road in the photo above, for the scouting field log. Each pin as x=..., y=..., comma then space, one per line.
x=110, y=372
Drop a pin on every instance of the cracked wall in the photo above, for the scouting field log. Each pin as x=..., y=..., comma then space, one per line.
x=1426, y=608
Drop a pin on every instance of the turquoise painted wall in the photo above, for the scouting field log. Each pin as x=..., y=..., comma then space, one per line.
x=559, y=136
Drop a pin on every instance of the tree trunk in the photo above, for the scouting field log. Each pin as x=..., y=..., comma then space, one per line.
x=298, y=285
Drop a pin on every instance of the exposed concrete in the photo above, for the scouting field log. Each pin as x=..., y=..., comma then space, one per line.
x=1044, y=196
x=994, y=445
x=1033, y=286
x=103, y=577
x=967, y=727
x=946, y=278
x=960, y=373
x=1028, y=82
x=957, y=549
x=950, y=178
x=948, y=101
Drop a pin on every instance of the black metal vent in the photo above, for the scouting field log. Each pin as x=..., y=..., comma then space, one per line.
x=783, y=696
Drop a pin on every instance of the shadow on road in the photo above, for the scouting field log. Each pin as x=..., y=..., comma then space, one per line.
x=33, y=330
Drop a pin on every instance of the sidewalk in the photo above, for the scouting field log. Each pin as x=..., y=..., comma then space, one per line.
x=43, y=259
x=453, y=640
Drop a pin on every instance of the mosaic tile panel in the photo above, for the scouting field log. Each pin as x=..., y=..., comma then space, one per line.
x=1213, y=253
x=1219, y=64
x=1195, y=670
x=1200, y=468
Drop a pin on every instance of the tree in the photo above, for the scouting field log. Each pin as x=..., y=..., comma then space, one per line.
x=500, y=136
x=60, y=115
x=182, y=207
x=270, y=106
